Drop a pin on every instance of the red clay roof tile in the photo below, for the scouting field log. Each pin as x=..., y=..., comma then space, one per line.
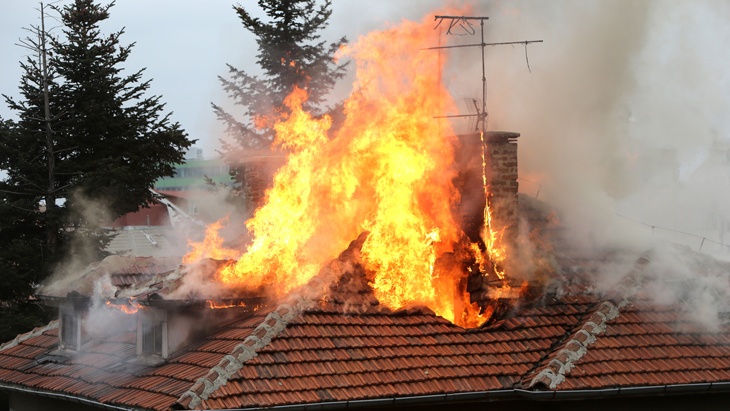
x=323, y=355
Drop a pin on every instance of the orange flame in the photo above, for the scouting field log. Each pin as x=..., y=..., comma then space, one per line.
x=211, y=246
x=471, y=317
x=131, y=307
x=218, y=305
x=387, y=170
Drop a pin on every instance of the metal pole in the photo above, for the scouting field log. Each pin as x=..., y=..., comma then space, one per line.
x=484, y=84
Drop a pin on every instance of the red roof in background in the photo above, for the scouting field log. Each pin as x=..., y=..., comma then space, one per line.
x=155, y=214
x=327, y=352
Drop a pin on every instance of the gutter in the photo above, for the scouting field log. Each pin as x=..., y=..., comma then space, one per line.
x=451, y=398
x=55, y=395
x=501, y=395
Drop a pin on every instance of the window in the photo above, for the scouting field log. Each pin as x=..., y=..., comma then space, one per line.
x=152, y=334
x=152, y=337
x=70, y=331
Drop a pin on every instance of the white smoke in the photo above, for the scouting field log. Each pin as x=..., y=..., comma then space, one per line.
x=623, y=130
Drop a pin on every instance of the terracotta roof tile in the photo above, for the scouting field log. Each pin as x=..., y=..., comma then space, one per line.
x=648, y=347
x=408, y=355
x=320, y=354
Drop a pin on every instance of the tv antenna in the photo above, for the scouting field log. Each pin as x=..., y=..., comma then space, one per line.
x=465, y=25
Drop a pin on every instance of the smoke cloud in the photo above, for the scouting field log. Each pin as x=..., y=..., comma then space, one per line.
x=620, y=111
x=622, y=130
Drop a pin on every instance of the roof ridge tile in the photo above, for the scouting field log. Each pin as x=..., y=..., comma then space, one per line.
x=576, y=347
x=30, y=334
x=258, y=338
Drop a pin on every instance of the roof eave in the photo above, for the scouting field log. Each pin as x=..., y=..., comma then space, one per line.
x=505, y=395
x=62, y=396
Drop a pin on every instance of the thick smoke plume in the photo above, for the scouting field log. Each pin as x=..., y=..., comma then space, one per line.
x=622, y=129
x=620, y=111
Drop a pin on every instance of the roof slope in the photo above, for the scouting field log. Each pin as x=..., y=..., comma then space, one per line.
x=107, y=372
x=323, y=355
x=650, y=345
x=348, y=348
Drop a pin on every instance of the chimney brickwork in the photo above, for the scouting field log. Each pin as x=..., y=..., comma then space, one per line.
x=499, y=149
x=258, y=176
x=491, y=158
x=500, y=153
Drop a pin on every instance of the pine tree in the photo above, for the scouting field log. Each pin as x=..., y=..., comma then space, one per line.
x=290, y=54
x=122, y=140
x=29, y=219
x=86, y=134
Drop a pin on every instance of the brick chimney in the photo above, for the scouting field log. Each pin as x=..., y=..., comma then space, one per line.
x=258, y=176
x=499, y=151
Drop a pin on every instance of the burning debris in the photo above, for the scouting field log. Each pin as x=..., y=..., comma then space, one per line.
x=129, y=284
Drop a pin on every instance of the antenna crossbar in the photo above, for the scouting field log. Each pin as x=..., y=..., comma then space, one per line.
x=464, y=23
x=483, y=44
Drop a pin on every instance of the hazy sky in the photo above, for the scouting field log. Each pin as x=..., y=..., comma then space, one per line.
x=625, y=97
x=185, y=45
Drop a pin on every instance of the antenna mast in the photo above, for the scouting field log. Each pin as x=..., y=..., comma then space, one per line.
x=464, y=23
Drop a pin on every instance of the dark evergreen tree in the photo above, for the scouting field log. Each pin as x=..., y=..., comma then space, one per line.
x=29, y=227
x=123, y=142
x=290, y=54
x=86, y=134
x=23, y=253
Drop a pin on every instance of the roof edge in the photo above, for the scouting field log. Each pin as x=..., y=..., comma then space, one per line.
x=34, y=332
x=502, y=395
x=450, y=398
x=58, y=395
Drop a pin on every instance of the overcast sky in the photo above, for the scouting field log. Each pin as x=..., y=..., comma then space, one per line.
x=185, y=45
x=622, y=93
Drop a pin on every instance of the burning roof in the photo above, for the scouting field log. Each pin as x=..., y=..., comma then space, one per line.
x=347, y=350
x=437, y=297
x=125, y=280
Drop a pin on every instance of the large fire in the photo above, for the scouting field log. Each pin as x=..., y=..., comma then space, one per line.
x=387, y=170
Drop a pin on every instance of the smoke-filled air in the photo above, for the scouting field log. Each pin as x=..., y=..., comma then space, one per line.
x=620, y=111
x=623, y=131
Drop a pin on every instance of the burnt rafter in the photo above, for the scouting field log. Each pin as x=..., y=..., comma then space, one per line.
x=465, y=24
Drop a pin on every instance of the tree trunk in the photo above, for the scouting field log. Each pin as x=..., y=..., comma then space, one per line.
x=51, y=224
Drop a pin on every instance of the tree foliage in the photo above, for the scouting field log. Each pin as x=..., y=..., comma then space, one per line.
x=290, y=53
x=86, y=148
x=122, y=141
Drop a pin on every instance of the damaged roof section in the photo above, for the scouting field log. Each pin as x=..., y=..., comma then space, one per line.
x=109, y=276
x=147, y=281
x=346, y=349
x=331, y=343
